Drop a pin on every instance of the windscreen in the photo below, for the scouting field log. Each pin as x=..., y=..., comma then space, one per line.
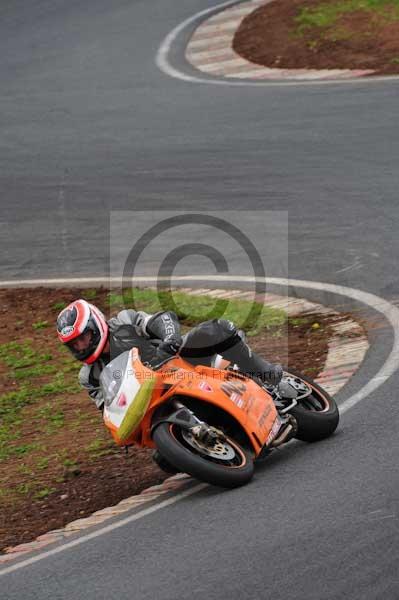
x=112, y=376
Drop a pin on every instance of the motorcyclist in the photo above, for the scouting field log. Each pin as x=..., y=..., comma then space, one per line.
x=92, y=339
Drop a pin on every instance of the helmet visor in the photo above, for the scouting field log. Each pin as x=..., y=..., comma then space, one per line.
x=82, y=346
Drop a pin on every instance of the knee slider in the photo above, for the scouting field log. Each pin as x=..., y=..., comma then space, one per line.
x=227, y=327
x=228, y=331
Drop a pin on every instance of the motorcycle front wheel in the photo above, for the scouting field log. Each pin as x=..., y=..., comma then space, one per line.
x=224, y=463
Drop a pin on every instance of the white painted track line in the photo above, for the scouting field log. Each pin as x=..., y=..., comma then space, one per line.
x=91, y=536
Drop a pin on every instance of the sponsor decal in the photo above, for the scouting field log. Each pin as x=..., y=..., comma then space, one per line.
x=274, y=430
x=236, y=387
x=249, y=402
x=67, y=330
x=205, y=387
x=169, y=325
x=234, y=376
x=264, y=415
x=234, y=391
x=237, y=399
x=122, y=402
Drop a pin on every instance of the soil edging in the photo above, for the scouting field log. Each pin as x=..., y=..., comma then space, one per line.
x=322, y=34
x=251, y=40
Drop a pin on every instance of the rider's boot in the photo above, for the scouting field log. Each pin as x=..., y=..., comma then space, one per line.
x=252, y=364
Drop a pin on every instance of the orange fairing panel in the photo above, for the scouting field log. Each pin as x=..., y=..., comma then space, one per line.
x=141, y=372
x=251, y=406
x=241, y=397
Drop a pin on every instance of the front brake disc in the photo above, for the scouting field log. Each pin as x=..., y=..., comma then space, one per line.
x=220, y=449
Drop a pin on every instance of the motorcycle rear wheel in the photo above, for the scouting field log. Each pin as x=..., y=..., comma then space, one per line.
x=229, y=473
x=317, y=416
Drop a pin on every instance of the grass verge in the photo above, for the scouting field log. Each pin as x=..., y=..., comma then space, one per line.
x=326, y=21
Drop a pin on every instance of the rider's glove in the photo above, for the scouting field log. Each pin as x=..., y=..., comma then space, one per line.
x=170, y=346
x=273, y=374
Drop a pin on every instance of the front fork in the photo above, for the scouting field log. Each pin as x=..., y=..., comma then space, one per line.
x=186, y=419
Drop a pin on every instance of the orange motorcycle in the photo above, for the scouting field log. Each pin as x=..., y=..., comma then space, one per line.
x=209, y=422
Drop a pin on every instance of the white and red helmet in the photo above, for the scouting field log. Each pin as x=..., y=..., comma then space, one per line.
x=76, y=320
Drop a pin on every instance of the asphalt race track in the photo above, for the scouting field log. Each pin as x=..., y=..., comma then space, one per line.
x=90, y=125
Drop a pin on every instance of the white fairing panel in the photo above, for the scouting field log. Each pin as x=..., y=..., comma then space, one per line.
x=125, y=396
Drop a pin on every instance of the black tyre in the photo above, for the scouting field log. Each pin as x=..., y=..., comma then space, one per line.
x=229, y=467
x=317, y=416
x=163, y=463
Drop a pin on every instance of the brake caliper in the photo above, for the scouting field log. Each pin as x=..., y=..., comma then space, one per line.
x=206, y=434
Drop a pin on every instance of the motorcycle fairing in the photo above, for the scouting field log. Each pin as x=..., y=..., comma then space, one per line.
x=128, y=407
x=250, y=405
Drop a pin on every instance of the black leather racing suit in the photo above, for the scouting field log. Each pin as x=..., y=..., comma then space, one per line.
x=200, y=345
